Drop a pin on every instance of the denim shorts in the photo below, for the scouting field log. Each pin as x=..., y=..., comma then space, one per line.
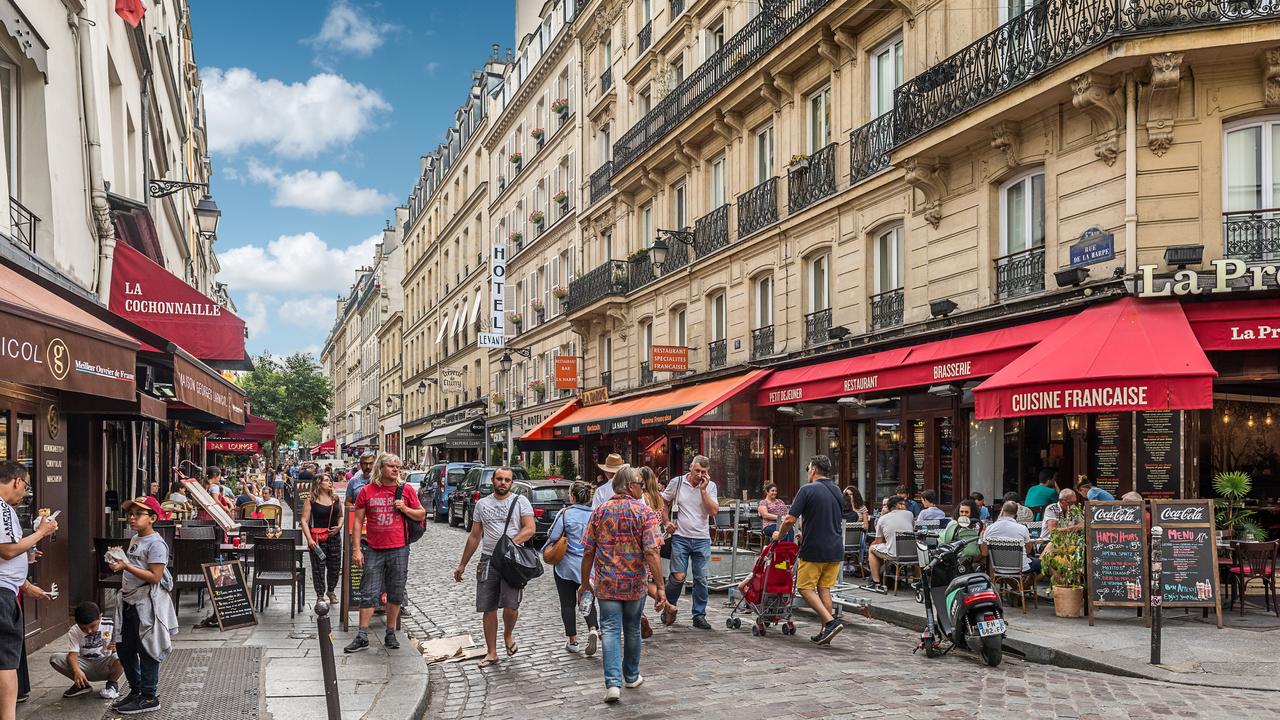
x=384, y=571
x=492, y=592
x=11, y=630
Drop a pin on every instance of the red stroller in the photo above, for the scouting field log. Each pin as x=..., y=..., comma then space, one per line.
x=769, y=590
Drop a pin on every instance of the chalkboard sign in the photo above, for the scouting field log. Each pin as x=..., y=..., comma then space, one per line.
x=1116, y=554
x=1188, y=554
x=1104, y=461
x=351, y=573
x=1157, y=450
x=229, y=594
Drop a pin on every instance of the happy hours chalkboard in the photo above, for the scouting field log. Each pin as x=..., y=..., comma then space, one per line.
x=1188, y=554
x=1115, y=554
x=229, y=594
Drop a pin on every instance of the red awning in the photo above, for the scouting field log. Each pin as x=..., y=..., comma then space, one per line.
x=654, y=410
x=942, y=361
x=328, y=447
x=255, y=428
x=147, y=294
x=1128, y=355
x=544, y=429
x=1235, y=324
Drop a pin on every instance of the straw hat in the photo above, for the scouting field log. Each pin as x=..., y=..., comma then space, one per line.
x=612, y=463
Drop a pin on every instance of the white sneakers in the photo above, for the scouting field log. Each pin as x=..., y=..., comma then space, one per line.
x=634, y=683
x=593, y=640
x=109, y=693
x=573, y=647
x=612, y=694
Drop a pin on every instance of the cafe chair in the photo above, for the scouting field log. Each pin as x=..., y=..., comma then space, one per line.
x=270, y=513
x=253, y=522
x=275, y=565
x=1035, y=529
x=1004, y=564
x=168, y=532
x=1256, y=561
x=247, y=510
x=755, y=531
x=854, y=535
x=929, y=525
x=906, y=557
x=188, y=568
x=198, y=532
x=103, y=578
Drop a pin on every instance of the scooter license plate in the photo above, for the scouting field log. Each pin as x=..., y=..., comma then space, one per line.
x=987, y=628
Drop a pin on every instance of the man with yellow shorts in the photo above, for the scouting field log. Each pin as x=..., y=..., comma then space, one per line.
x=820, y=504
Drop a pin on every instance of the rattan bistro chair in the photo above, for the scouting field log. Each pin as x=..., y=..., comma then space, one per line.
x=1004, y=563
x=905, y=556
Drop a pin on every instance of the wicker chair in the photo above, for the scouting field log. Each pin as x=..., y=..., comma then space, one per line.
x=1004, y=563
x=270, y=513
x=247, y=510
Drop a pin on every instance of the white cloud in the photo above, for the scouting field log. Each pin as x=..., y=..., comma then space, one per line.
x=293, y=262
x=310, y=311
x=254, y=313
x=347, y=29
x=324, y=191
x=293, y=119
x=432, y=67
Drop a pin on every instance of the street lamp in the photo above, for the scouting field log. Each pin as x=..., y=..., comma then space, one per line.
x=505, y=360
x=659, y=250
x=207, y=215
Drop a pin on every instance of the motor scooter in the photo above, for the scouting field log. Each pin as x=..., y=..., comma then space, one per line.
x=963, y=608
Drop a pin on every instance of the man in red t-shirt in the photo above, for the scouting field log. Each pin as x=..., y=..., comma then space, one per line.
x=386, y=559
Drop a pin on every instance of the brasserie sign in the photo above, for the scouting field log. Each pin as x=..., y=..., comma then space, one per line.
x=1228, y=274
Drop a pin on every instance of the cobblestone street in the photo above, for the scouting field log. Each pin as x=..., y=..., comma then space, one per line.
x=868, y=672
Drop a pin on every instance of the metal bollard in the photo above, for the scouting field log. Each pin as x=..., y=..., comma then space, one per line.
x=325, y=631
x=1157, y=534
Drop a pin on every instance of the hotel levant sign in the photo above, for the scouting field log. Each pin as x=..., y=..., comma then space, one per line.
x=495, y=338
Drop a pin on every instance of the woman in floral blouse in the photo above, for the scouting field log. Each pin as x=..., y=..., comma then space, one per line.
x=772, y=510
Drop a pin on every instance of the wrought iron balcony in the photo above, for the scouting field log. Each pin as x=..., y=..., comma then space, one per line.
x=600, y=181
x=762, y=342
x=810, y=183
x=717, y=354
x=758, y=207
x=711, y=232
x=606, y=80
x=1041, y=38
x=869, y=148
x=1020, y=273
x=606, y=380
x=1251, y=235
x=23, y=222
x=762, y=33
x=677, y=256
x=640, y=271
x=607, y=279
x=645, y=38
x=677, y=7
x=886, y=309
x=816, y=325
x=646, y=375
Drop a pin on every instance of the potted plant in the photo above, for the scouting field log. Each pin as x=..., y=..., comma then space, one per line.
x=498, y=400
x=516, y=159
x=515, y=238
x=538, y=307
x=1064, y=564
x=560, y=106
x=538, y=387
x=561, y=198
x=537, y=218
x=560, y=292
x=1231, y=517
x=798, y=162
x=516, y=319
x=537, y=134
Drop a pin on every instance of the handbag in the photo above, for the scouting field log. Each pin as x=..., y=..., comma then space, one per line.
x=322, y=534
x=413, y=529
x=516, y=564
x=553, y=553
x=665, y=551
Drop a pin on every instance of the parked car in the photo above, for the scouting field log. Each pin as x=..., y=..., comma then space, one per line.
x=413, y=481
x=477, y=483
x=548, y=498
x=440, y=483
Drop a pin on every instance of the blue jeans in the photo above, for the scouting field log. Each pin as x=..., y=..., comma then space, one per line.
x=140, y=669
x=620, y=637
x=684, y=550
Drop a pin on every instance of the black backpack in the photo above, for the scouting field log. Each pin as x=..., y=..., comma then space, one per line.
x=413, y=529
x=516, y=564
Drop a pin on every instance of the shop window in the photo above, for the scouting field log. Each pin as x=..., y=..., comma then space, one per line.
x=740, y=459
x=886, y=74
x=1022, y=213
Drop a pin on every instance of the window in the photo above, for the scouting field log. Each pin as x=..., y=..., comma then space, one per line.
x=646, y=339
x=646, y=12
x=646, y=224
x=1010, y=9
x=717, y=182
x=606, y=353
x=606, y=243
x=886, y=74
x=764, y=302
x=679, y=206
x=714, y=38
x=12, y=123
x=1022, y=213
x=607, y=52
x=718, y=318
x=606, y=147
x=675, y=73
x=819, y=283
x=764, y=153
x=1253, y=159
x=889, y=260
x=677, y=327
x=646, y=101
x=819, y=128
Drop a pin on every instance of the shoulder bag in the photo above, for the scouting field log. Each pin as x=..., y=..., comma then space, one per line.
x=665, y=551
x=322, y=534
x=413, y=529
x=516, y=564
x=553, y=553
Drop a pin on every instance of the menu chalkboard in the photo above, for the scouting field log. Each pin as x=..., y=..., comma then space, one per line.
x=1188, y=554
x=1104, y=462
x=229, y=594
x=1157, y=450
x=352, y=574
x=1115, y=554
x=919, y=438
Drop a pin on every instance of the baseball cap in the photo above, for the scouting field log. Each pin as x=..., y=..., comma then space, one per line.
x=140, y=503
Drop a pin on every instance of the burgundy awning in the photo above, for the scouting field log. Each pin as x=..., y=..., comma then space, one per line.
x=255, y=428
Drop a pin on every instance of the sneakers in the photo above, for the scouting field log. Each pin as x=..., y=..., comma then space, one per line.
x=700, y=622
x=76, y=691
x=140, y=704
x=23, y=698
x=110, y=691
x=390, y=642
x=829, y=631
x=593, y=641
x=573, y=647
x=876, y=587
x=133, y=695
x=612, y=694
x=634, y=683
x=356, y=645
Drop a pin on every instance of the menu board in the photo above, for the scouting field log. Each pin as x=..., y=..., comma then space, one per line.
x=1116, y=554
x=352, y=573
x=229, y=594
x=1104, y=463
x=946, y=461
x=919, y=440
x=1188, y=554
x=1157, y=450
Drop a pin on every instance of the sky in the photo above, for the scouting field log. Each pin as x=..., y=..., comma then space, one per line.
x=318, y=112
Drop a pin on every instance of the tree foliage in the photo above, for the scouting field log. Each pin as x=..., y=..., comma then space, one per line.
x=294, y=394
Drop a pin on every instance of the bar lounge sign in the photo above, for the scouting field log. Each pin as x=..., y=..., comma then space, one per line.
x=1228, y=274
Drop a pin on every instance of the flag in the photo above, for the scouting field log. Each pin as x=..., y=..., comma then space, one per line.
x=131, y=10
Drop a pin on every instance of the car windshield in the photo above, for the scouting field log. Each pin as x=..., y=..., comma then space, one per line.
x=455, y=476
x=550, y=494
x=415, y=478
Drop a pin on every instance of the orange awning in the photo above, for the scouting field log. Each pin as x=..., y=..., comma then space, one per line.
x=679, y=406
x=543, y=430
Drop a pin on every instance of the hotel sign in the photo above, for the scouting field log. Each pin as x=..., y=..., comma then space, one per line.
x=1228, y=274
x=496, y=337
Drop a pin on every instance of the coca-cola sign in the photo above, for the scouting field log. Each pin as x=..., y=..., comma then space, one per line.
x=1115, y=514
x=1185, y=513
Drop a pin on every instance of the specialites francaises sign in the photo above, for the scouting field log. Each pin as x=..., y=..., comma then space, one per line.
x=1228, y=274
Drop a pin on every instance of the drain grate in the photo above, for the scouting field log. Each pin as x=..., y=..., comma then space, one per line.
x=223, y=683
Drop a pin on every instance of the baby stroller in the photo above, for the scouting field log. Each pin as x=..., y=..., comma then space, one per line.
x=769, y=590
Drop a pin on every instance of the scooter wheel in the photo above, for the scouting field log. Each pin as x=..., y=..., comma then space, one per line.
x=920, y=596
x=737, y=623
x=791, y=628
x=992, y=651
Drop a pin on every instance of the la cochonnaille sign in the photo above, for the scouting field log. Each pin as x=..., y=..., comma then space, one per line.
x=1228, y=274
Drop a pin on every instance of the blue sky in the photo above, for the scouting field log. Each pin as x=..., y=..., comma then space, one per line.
x=318, y=111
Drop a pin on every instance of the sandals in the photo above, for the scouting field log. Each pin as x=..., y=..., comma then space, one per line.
x=487, y=662
x=512, y=649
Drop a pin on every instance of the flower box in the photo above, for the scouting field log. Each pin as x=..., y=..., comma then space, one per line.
x=516, y=319
x=536, y=217
x=798, y=162
x=537, y=133
x=561, y=198
x=516, y=158
x=560, y=106
x=538, y=386
x=537, y=306
x=560, y=292
x=516, y=237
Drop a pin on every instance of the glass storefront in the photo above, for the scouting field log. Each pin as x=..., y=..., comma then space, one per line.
x=739, y=461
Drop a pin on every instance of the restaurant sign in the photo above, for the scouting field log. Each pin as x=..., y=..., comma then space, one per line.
x=628, y=423
x=594, y=396
x=1094, y=246
x=450, y=380
x=1228, y=274
x=669, y=358
x=566, y=372
x=206, y=391
x=233, y=447
x=35, y=353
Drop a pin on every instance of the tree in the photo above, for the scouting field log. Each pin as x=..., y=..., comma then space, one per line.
x=295, y=395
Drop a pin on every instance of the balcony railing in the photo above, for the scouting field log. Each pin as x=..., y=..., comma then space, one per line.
x=646, y=375
x=600, y=185
x=608, y=279
x=24, y=223
x=810, y=183
x=816, y=325
x=711, y=232
x=1045, y=36
x=758, y=207
x=1020, y=273
x=606, y=380
x=677, y=7
x=1251, y=235
x=886, y=309
x=762, y=342
x=717, y=354
x=869, y=148
x=606, y=80
x=677, y=256
x=640, y=271
x=762, y=33
x=645, y=38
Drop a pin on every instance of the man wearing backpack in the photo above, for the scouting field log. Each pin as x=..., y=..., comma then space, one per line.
x=386, y=511
x=501, y=513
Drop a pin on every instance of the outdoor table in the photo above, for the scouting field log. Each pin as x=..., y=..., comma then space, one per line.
x=246, y=548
